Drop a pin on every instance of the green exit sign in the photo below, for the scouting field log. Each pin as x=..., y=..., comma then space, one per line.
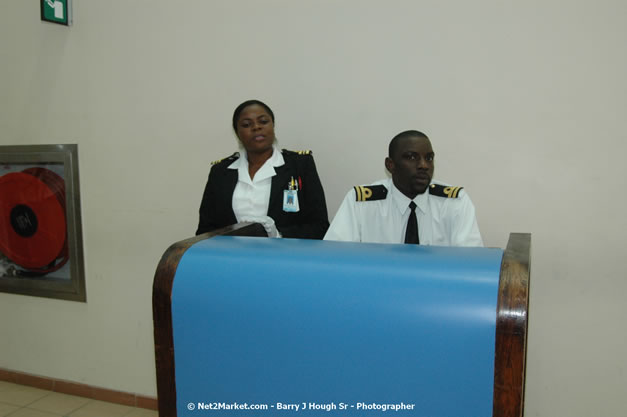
x=57, y=11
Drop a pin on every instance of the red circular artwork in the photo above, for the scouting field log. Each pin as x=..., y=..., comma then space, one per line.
x=32, y=217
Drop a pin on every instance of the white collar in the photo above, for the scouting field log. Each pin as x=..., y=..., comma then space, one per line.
x=401, y=201
x=266, y=170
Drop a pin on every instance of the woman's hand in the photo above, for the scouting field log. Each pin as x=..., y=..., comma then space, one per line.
x=266, y=222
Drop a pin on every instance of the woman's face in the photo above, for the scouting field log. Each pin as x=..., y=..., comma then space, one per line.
x=255, y=129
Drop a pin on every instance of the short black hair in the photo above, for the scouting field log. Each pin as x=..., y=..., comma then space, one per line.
x=238, y=110
x=406, y=134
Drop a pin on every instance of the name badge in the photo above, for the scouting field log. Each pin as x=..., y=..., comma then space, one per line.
x=290, y=201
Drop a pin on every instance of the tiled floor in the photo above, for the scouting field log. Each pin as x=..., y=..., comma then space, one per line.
x=22, y=401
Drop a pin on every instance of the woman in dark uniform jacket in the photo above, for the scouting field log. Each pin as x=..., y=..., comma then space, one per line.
x=279, y=189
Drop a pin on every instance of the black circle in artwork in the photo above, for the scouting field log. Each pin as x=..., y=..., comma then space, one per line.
x=23, y=220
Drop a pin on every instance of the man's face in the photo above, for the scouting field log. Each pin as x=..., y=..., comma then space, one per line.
x=411, y=165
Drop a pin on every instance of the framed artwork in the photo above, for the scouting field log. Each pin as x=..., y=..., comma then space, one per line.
x=41, y=243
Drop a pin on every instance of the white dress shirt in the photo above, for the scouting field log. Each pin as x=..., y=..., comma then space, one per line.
x=441, y=221
x=251, y=197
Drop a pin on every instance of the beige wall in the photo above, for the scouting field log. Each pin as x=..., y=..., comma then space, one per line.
x=525, y=103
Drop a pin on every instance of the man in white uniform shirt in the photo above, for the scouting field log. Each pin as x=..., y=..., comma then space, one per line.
x=410, y=207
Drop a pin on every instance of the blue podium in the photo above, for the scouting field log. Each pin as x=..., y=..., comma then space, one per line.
x=251, y=326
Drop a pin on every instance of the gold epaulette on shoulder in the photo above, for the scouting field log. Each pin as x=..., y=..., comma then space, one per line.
x=444, y=190
x=371, y=192
x=299, y=152
x=232, y=158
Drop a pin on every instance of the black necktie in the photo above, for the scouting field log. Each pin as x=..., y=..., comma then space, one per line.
x=411, y=234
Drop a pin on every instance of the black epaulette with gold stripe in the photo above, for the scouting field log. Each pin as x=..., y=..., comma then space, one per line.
x=228, y=158
x=444, y=190
x=298, y=152
x=371, y=192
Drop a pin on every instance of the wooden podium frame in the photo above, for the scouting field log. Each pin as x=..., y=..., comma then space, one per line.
x=512, y=312
x=511, y=320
